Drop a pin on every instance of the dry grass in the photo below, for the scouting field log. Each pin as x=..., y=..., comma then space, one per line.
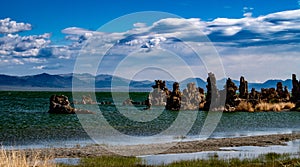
x=19, y=158
x=274, y=107
x=201, y=106
x=263, y=107
x=244, y=106
x=287, y=105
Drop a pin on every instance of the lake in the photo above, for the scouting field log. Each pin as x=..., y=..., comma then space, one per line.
x=24, y=121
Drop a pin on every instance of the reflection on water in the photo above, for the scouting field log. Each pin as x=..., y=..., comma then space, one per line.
x=67, y=161
x=292, y=148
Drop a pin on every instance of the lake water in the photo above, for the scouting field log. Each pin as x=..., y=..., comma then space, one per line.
x=24, y=121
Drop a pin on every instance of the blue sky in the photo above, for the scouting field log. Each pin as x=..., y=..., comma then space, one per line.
x=55, y=15
x=54, y=29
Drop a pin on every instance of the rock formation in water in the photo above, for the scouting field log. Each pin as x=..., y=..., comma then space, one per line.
x=254, y=97
x=174, y=99
x=59, y=104
x=283, y=95
x=296, y=92
x=296, y=89
x=87, y=100
x=268, y=95
x=192, y=97
x=243, y=88
x=212, y=96
x=130, y=102
x=158, y=97
x=269, y=99
x=231, y=95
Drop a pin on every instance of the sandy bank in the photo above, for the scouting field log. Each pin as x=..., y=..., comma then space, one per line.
x=181, y=147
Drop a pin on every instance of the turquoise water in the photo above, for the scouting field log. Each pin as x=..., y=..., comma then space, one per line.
x=24, y=121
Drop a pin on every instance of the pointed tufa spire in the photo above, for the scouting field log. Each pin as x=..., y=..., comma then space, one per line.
x=295, y=90
x=174, y=100
x=243, y=88
x=231, y=93
x=212, y=97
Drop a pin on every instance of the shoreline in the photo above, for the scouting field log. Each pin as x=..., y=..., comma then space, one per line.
x=215, y=144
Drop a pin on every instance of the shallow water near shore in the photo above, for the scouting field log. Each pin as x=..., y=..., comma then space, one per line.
x=25, y=123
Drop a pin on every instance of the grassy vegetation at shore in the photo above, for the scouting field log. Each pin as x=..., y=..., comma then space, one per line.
x=20, y=158
x=268, y=160
x=107, y=161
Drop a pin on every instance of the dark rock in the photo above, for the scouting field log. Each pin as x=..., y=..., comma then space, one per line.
x=254, y=97
x=243, y=88
x=295, y=90
x=269, y=95
x=159, y=84
x=231, y=96
x=283, y=94
x=174, y=99
x=213, y=96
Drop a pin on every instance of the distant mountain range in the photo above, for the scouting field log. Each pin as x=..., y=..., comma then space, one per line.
x=104, y=82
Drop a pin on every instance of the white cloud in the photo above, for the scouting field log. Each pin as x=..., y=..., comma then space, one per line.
x=39, y=67
x=9, y=26
x=140, y=25
x=48, y=67
x=77, y=31
x=20, y=50
x=276, y=27
x=17, y=61
x=248, y=14
x=34, y=60
x=23, y=46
